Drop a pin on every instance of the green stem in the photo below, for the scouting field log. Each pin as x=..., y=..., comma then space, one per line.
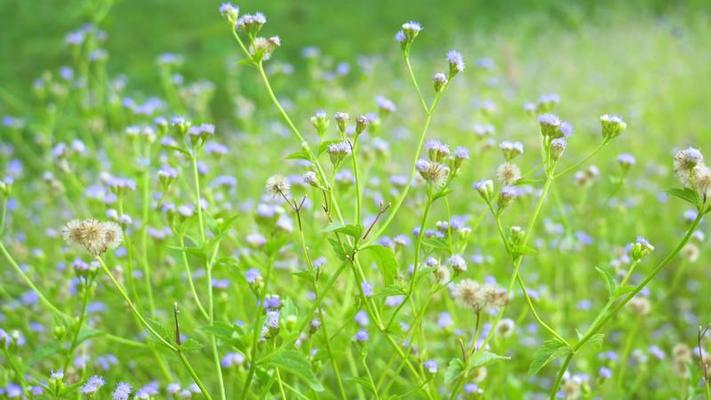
x=189, y=274
x=583, y=161
x=29, y=282
x=595, y=328
x=418, y=246
x=144, y=229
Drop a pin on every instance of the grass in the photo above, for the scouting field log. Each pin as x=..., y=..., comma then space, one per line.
x=372, y=300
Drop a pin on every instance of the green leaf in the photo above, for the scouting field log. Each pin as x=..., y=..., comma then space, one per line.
x=596, y=340
x=190, y=345
x=623, y=290
x=609, y=280
x=454, y=370
x=524, y=250
x=298, y=155
x=686, y=194
x=43, y=353
x=436, y=243
x=550, y=350
x=338, y=249
x=295, y=363
x=441, y=193
x=351, y=229
x=86, y=333
x=483, y=358
x=385, y=260
x=162, y=332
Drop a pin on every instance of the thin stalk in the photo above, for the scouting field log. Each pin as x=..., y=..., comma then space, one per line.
x=418, y=246
x=29, y=282
x=191, y=283
x=595, y=328
x=144, y=229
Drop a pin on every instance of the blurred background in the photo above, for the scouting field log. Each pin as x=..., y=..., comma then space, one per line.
x=33, y=32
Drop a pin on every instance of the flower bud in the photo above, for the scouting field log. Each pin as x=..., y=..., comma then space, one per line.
x=485, y=189
x=612, y=126
x=558, y=147
x=361, y=123
x=230, y=12
x=517, y=234
x=439, y=81
x=550, y=125
x=640, y=249
x=506, y=197
x=342, y=119
x=320, y=122
x=456, y=63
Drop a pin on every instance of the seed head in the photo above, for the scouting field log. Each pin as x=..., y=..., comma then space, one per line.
x=508, y=173
x=432, y=171
x=94, y=236
x=278, y=186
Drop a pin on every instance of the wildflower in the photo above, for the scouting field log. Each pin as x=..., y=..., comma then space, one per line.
x=457, y=263
x=626, y=161
x=485, y=188
x=456, y=63
x=511, y=150
x=361, y=336
x=640, y=305
x=437, y=150
x=367, y=289
x=550, y=125
x=278, y=185
x=342, y=119
x=469, y=293
x=94, y=236
x=251, y=23
x=361, y=318
x=122, y=392
x=408, y=33
x=338, y=151
x=198, y=134
x=505, y=327
x=92, y=385
x=431, y=366
x=442, y=274
x=385, y=106
x=272, y=302
x=612, y=126
x=605, y=373
x=232, y=360
x=558, y=146
x=684, y=163
x=508, y=173
x=320, y=122
x=439, y=81
x=506, y=197
x=432, y=171
x=640, y=249
x=362, y=122
x=261, y=48
x=230, y=12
